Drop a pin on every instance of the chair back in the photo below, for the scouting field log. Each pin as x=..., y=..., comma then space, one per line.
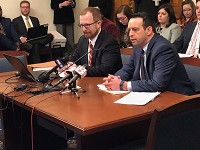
x=125, y=54
x=176, y=127
x=5, y=66
x=192, y=67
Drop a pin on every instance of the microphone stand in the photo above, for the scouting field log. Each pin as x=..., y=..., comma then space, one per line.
x=73, y=89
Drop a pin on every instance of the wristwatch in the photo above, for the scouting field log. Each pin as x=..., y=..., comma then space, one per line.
x=121, y=85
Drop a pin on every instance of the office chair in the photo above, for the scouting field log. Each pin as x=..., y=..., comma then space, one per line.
x=5, y=66
x=125, y=54
x=192, y=67
x=194, y=76
x=174, y=128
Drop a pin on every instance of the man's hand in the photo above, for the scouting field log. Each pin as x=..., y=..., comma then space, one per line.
x=112, y=82
x=23, y=39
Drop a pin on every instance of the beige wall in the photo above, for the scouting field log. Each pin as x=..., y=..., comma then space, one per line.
x=42, y=10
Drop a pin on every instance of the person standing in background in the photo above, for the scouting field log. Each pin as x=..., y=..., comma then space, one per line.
x=64, y=20
x=149, y=6
x=104, y=5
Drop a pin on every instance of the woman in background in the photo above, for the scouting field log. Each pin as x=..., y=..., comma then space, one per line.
x=123, y=15
x=188, y=13
x=166, y=25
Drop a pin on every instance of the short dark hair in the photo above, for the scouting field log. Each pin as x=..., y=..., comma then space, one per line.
x=197, y=1
x=147, y=20
x=22, y=2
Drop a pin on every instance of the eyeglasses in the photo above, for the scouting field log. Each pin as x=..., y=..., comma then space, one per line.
x=86, y=25
x=122, y=18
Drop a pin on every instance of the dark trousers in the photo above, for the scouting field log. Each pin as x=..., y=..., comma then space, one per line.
x=6, y=43
x=34, y=46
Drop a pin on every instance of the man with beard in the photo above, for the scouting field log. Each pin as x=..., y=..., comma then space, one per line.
x=96, y=48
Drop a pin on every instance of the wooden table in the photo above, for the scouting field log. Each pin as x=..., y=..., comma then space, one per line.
x=96, y=120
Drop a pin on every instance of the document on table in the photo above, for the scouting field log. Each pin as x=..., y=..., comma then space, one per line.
x=42, y=69
x=184, y=55
x=137, y=98
x=103, y=88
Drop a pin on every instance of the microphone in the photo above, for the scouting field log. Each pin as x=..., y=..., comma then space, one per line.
x=68, y=76
x=80, y=72
x=60, y=63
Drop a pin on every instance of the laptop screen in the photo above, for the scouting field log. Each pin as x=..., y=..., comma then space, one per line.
x=19, y=66
x=37, y=32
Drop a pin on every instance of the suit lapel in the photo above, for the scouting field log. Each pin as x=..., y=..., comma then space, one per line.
x=97, y=46
x=23, y=26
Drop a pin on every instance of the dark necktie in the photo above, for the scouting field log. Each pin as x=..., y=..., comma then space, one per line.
x=142, y=67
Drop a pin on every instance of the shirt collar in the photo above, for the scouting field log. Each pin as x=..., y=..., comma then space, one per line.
x=93, y=41
x=145, y=48
x=24, y=17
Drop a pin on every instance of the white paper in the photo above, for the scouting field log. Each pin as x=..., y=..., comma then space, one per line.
x=103, y=88
x=137, y=98
x=184, y=55
x=42, y=69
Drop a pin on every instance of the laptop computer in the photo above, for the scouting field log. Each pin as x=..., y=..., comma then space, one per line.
x=22, y=69
x=35, y=33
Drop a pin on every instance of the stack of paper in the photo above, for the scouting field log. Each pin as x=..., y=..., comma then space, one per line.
x=137, y=98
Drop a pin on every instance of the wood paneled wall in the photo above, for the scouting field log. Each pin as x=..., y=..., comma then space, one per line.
x=116, y=3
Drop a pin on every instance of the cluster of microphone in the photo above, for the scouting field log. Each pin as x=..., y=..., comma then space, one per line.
x=79, y=72
x=72, y=77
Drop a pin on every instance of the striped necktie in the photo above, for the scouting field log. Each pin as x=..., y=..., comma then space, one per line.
x=192, y=44
x=90, y=54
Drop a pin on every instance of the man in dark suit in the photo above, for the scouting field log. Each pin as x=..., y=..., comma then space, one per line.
x=182, y=43
x=22, y=23
x=149, y=6
x=161, y=70
x=9, y=39
x=105, y=57
x=104, y=5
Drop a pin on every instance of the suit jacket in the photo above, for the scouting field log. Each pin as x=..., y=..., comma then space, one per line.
x=104, y=5
x=165, y=72
x=181, y=44
x=21, y=27
x=106, y=59
x=10, y=40
x=141, y=5
x=64, y=15
x=171, y=33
